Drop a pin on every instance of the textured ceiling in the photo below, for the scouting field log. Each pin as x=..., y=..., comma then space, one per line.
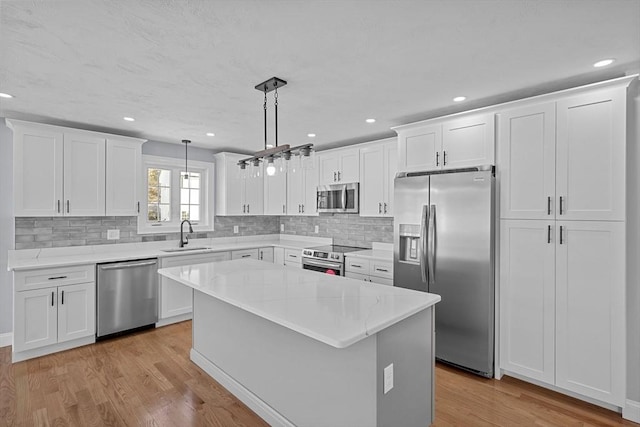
x=184, y=68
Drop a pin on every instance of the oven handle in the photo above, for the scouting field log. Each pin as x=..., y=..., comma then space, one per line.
x=331, y=265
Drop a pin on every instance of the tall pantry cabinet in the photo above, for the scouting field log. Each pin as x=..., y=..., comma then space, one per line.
x=562, y=241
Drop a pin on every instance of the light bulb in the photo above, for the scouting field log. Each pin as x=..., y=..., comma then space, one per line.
x=271, y=169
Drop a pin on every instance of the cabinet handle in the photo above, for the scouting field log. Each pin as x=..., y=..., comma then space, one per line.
x=284, y=210
x=244, y=208
x=67, y=206
x=58, y=205
x=260, y=255
x=57, y=277
x=248, y=208
x=548, y=234
x=356, y=266
x=293, y=256
x=303, y=208
x=62, y=299
x=549, y=205
x=561, y=234
x=51, y=299
x=379, y=207
x=299, y=208
x=334, y=177
x=384, y=270
x=444, y=158
x=560, y=205
x=339, y=176
x=437, y=158
x=246, y=256
x=138, y=207
x=385, y=207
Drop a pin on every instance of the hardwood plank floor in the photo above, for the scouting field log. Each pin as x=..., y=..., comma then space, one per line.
x=147, y=379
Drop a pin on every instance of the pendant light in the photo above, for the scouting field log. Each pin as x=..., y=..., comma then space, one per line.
x=283, y=152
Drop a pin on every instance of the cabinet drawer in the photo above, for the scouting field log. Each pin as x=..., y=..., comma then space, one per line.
x=292, y=256
x=244, y=254
x=357, y=276
x=48, y=277
x=174, y=261
x=357, y=265
x=382, y=269
x=381, y=281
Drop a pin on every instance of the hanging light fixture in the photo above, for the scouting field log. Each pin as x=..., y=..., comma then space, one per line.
x=186, y=143
x=269, y=154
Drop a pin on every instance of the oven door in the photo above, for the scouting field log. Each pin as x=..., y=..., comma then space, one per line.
x=327, y=267
x=338, y=198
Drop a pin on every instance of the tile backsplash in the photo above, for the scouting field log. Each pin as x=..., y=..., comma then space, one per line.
x=345, y=229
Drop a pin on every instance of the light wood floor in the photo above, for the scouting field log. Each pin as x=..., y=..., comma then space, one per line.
x=147, y=379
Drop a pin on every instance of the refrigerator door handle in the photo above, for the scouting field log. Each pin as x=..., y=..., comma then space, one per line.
x=431, y=233
x=423, y=242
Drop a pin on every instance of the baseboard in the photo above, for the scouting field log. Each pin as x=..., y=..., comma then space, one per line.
x=631, y=411
x=6, y=339
x=257, y=405
x=175, y=319
x=53, y=348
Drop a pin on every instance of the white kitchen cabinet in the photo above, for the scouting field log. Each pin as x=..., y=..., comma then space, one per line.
x=176, y=300
x=369, y=270
x=378, y=167
x=123, y=175
x=293, y=258
x=527, y=298
x=462, y=142
x=339, y=166
x=275, y=194
x=302, y=187
x=237, y=193
x=84, y=175
x=245, y=254
x=590, y=309
x=564, y=159
x=266, y=254
x=278, y=256
x=46, y=316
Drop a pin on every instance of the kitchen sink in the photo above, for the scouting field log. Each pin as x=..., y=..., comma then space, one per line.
x=197, y=248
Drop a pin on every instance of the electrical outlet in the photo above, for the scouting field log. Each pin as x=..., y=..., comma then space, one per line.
x=282, y=228
x=388, y=378
x=113, y=234
x=235, y=229
x=316, y=229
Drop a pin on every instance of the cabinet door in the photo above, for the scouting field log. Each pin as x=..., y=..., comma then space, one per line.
x=390, y=169
x=527, y=144
x=84, y=175
x=591, y=156
x=37, y=175
x=278, y=256
x=329, y=164
x=245, y=254
x=310, y=190
x=123, y=177
x=590, y=310
x=468, y=141
x=35, y=319
x=372, y=181
x=418, y=149
x=349, y=166
x=76, y=311
x=266, y=254
x=275, y=194
x=254, y=195
x=295, y=191
x=527, y=298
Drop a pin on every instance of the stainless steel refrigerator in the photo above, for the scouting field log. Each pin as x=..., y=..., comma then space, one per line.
x=444, y=244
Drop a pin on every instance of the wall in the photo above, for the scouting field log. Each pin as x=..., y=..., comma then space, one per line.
x=164, y=149
x=345, y=229
x=6, y=228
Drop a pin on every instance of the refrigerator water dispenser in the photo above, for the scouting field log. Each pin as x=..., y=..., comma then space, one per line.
x=409, y=243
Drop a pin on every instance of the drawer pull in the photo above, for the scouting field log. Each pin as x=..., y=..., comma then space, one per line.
x=382, y=269
x=246, y=256
x=62, y=301
x=356, y=266
x=51, y=299
x=293, y=256
x=57, y=277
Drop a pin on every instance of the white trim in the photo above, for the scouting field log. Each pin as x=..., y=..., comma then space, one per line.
x=257, y=405
x=54, y=348
x=631, y=411
x=6, y=339
x=174, y=319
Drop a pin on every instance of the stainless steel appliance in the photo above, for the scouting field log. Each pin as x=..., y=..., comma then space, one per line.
x=342, y=198
x=127, y=296
x=326, y=259
x=444, y=244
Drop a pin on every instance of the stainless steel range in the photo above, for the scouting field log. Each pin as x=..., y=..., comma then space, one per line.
x=326, y=259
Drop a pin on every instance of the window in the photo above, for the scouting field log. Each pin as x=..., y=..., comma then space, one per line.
x=174, y=195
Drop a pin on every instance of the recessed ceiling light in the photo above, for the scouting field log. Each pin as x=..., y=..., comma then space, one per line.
x=459, y=98
x=5, y=95
x=211, y=134
x=311, y=135
x=129, y=119
x=371, y=120
x=603, y=63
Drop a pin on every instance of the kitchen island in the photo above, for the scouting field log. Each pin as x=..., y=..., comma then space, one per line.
x=308, y=349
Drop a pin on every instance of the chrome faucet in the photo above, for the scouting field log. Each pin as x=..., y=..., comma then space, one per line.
x=184, y=239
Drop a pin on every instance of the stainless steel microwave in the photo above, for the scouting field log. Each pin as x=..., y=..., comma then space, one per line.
x=343, y=198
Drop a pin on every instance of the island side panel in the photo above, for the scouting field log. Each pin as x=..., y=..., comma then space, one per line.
x=409, y=346
x=307, y=382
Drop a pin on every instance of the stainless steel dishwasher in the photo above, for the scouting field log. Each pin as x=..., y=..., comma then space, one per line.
x=127, y=296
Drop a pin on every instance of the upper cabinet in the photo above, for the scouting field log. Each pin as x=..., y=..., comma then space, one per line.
x=564, y=159
x=378, y=167
x=302, y=188
x=462, y=142
x=339, y=166
x=66, y=172
x=275, y=193
x=237, y=192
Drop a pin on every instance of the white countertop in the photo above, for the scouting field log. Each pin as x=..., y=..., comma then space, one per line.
x=76, y=255
x=372, y=254
x=335, y=310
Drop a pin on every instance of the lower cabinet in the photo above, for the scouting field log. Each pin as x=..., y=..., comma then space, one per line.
x=245, y=254
x=374, y=271
x=176, y=300
x=293, y=258
x=562, y=311
x=266, y=254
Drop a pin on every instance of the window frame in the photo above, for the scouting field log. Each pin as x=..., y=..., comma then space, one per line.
x=175, y=165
